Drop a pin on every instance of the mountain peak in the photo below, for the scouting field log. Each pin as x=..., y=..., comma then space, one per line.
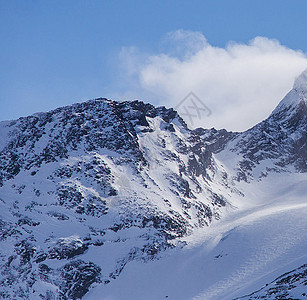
x=297, y=95
x=300, y=83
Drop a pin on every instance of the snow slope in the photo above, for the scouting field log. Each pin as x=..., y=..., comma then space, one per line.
x=237, y=255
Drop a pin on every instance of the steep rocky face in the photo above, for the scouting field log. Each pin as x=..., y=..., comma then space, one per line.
x=100, y=177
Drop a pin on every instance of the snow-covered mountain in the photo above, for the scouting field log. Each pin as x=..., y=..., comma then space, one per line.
x=121, y=200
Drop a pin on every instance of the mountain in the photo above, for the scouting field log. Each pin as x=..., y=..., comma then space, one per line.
x=121, y=200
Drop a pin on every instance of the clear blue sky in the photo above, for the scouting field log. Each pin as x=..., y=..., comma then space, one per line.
x=55, y=53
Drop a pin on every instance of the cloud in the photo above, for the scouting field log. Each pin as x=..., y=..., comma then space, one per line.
x=241, y=83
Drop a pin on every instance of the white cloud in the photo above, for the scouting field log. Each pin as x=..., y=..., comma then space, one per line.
x=241, y=83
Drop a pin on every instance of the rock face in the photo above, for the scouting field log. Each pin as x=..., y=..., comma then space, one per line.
x=291, y=285
x=86, y=189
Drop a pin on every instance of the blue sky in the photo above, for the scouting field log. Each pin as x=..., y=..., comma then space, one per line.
x=55, y=53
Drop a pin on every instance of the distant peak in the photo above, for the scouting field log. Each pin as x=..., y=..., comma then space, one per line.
x=300, y=83
x=295, y=96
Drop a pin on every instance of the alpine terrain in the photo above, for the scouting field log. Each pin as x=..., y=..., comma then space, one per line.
x=121, y=200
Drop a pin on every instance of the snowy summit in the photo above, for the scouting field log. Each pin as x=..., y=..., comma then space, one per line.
x=300, y=83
